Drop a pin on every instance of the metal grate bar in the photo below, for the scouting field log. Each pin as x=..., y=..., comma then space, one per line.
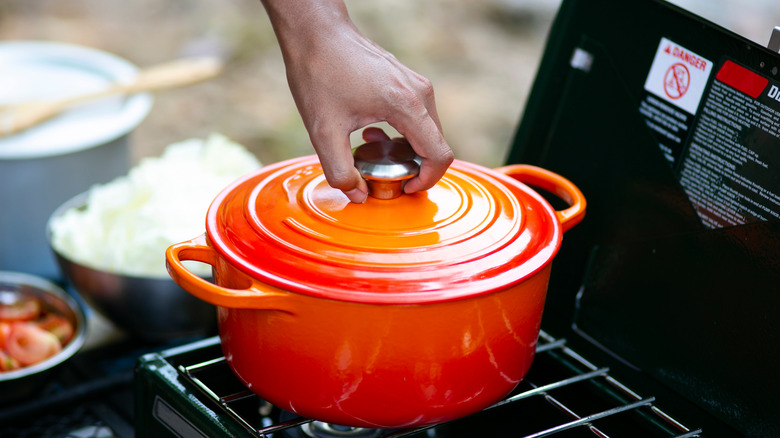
x=692, y=434
x=601, y=372
x=200, y=385
x=223, y=402
x=559, y=343
x=552, y=400
x=188, y=371
x=205, y=364
x=620, y=387
x=237, y=396
x=295, y=422
x=590, y=418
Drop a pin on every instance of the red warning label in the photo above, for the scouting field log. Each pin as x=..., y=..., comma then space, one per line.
x=742, y=79
x=678, y=75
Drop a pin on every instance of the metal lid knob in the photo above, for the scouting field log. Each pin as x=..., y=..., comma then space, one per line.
x=386, y=166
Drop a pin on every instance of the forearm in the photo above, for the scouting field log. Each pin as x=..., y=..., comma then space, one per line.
x=300, y=24
x=341, y=81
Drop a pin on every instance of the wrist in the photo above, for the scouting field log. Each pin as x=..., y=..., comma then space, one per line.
x=300, y=24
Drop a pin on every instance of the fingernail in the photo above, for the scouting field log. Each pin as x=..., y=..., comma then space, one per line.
x=356, y=195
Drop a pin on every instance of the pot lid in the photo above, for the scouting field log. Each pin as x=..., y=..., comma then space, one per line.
x=476, y=231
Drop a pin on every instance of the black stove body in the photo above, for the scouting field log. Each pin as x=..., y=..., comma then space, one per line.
x=670, y=126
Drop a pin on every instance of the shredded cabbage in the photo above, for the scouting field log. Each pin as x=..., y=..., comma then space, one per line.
x=129, y=222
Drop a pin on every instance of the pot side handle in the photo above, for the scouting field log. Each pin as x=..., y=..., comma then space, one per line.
x=555, y=184
x=256, y=295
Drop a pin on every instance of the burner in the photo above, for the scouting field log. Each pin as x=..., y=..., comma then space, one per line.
x=321, y=429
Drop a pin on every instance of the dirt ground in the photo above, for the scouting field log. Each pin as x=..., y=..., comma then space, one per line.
x=480, y=56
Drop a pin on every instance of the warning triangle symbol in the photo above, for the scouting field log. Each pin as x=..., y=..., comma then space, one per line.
x=668, y=50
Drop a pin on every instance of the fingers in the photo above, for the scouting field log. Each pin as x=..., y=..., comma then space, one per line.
x=374, y=134
x=338, y=163
x=338, y=166
x=436, y=158
x=421, y=127
x=357, y=195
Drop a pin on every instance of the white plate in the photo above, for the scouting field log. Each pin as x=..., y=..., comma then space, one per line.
x=33, y=70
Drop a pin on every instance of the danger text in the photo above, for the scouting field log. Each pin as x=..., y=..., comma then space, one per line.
x=691, y=59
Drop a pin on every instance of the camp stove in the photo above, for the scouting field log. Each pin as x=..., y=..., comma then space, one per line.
x=660, y=317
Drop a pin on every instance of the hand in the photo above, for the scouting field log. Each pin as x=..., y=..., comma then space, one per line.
x=341, y=81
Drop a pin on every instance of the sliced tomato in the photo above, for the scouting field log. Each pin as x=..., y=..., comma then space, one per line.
x=58, y=326
x=8, y=363
x=5, y=331
x=30, y=344
x=23, y=309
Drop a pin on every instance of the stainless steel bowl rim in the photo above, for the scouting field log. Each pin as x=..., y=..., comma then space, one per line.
x=79, y=335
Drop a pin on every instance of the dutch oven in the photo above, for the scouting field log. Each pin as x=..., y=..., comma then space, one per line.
x=405, y=311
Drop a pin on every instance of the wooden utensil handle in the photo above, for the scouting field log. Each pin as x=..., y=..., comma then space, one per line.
x=181, y=72
x=185, y=71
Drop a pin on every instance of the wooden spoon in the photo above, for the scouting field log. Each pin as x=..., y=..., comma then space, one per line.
x=20, y=116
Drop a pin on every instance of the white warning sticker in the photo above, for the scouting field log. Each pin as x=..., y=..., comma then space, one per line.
x=678, y=75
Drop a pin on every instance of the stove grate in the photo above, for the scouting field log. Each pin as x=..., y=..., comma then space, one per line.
x=583, y=400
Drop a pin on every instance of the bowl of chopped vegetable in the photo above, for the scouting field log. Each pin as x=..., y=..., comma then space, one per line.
x=109, y=242
x=145, y=306
x=41, y=326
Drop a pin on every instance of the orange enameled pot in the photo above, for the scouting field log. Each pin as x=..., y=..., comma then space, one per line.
x=392, y=313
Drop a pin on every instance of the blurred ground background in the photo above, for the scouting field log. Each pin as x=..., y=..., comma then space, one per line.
x=481, y=57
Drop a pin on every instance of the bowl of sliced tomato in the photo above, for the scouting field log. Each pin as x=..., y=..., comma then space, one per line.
x=41, y=326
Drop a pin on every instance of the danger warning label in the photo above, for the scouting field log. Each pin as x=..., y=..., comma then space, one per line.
x=678, y=76
x=674, y=89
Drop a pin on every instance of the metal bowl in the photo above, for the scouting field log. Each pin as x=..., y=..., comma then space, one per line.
x=23, y=382
x=153, y=309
